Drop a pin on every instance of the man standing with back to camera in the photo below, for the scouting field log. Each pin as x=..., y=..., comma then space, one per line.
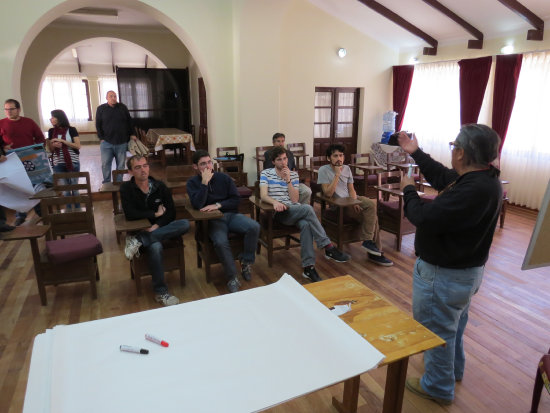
x=114, y=130
x=453, y=237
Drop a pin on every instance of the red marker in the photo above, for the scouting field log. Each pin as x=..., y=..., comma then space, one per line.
x=156, y=340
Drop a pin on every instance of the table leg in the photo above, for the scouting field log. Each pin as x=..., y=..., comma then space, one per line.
x=350, y=398
x=116, y=209
x=395, y=386
x=38, y=271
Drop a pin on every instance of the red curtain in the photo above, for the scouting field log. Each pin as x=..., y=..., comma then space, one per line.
x=402, y=80
x=506, y=81
x=474, y=75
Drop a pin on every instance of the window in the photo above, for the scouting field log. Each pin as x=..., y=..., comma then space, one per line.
x=68, y=93
x=106, y=83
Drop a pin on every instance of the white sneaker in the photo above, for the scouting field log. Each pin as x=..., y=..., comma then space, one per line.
x=167, y=299
x=132, y=247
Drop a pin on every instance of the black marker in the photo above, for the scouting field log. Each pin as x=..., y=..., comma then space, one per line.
x=136, y=350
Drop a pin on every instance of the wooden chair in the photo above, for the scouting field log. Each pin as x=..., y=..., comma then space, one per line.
x=227, y=150
x=205, y=248
x=505, y=202
x=153, y=152
x=364, y=174
x=541, y=378
x=315, y=162
x=173, y=258
x=117, y=206
x=260, y=159
x=180, y=173
x=339, y=226
x=71, y=244
x=235, y=171
x=78, y=183
x=270, y=230
x=299, y=151
x=391, y=215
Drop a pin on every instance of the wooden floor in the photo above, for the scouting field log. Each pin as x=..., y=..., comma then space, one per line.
x=509, y=325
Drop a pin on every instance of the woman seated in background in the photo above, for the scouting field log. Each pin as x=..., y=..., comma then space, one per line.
x=64, y=144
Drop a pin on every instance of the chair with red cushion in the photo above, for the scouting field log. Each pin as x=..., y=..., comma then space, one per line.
x=71, y=244
x=542, y=378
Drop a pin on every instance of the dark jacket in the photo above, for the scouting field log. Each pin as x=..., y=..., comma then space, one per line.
x=138, y=205
x=113, y=124
x=456, y=229
x=268, y=163
x=221, y=188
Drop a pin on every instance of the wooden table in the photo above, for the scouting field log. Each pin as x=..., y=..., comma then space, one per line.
x=32, y=233
x=172, y=136
x=402, y=166
x=367, y=169
x=393, y=332
x=395, y=192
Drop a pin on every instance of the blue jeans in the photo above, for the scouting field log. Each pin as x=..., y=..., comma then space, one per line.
x=218, y=229
x=108, y=152
x=152, y=242
x=303, y=216
x=61, y=167
x=441, y=299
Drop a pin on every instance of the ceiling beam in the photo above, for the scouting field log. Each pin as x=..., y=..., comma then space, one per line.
x=472, y=44
x=146, y=60
x=533, y=34
x=113, y=57
x=400, y=21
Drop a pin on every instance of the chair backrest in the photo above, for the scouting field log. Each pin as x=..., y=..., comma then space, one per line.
x=392, y=179
x=315, y=162
x=71, y=182
x=64, y=221
x=361, y=159
x=227, y=150
x=119, y=173
x=299, y=147
x=180, y=172
x=234, y=169
x=397, y=156
x=260, y=152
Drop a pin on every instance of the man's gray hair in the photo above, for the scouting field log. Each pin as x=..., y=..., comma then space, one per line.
x=480, y=144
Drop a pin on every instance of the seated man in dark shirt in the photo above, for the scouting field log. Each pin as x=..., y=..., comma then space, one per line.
x=145, y=197
x=304, y=191
x=210, y=191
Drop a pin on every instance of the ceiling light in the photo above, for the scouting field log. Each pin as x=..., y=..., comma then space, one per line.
x=508, y=49
x=413, y=60
x=342, y=53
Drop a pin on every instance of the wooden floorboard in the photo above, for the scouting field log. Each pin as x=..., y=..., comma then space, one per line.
x=508, y=331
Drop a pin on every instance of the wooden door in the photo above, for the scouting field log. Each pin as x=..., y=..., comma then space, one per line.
x=202, y=142
x=336, y=119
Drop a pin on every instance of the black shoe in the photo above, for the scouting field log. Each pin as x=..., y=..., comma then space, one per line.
x=311, y=274
x=19, y=221
x=6, y=228
x=380, y=260
x=371, y=247
x=336, y=255
x=233, y=285
x=246, y=271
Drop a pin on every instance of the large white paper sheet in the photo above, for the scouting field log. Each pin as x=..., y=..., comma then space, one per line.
x=240, y=352
x=15, y=185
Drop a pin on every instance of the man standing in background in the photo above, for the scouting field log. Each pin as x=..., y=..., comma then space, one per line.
x=114, y=130
x=17, y=131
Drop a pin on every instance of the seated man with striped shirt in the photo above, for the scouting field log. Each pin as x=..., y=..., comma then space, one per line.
x=279, y=187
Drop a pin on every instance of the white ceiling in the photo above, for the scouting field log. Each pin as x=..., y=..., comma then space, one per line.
x=488, y=16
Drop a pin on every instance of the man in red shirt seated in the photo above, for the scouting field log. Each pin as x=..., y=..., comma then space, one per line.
x=17, y=131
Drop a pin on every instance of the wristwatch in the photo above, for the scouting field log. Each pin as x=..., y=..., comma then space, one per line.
x=218, y=205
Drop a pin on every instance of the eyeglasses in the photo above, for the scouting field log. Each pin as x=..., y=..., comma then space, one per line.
x=206, y=163
x=10, y=109
x=453, y=145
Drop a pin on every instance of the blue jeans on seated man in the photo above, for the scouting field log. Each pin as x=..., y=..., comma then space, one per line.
x=218, y=230
x=441, y=299
x=304, y=217
x=152, y=242
x=108, y=152
x=61, y=167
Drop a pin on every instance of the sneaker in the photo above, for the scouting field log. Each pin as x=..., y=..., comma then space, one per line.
x=19, y=221
x=132, y=247
x=371, y=247
x=233, y=285
x=413, y=385
x=311, y=274
x=380, y=260
x=246, y=271
x=167, y=299
x=336, y=255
